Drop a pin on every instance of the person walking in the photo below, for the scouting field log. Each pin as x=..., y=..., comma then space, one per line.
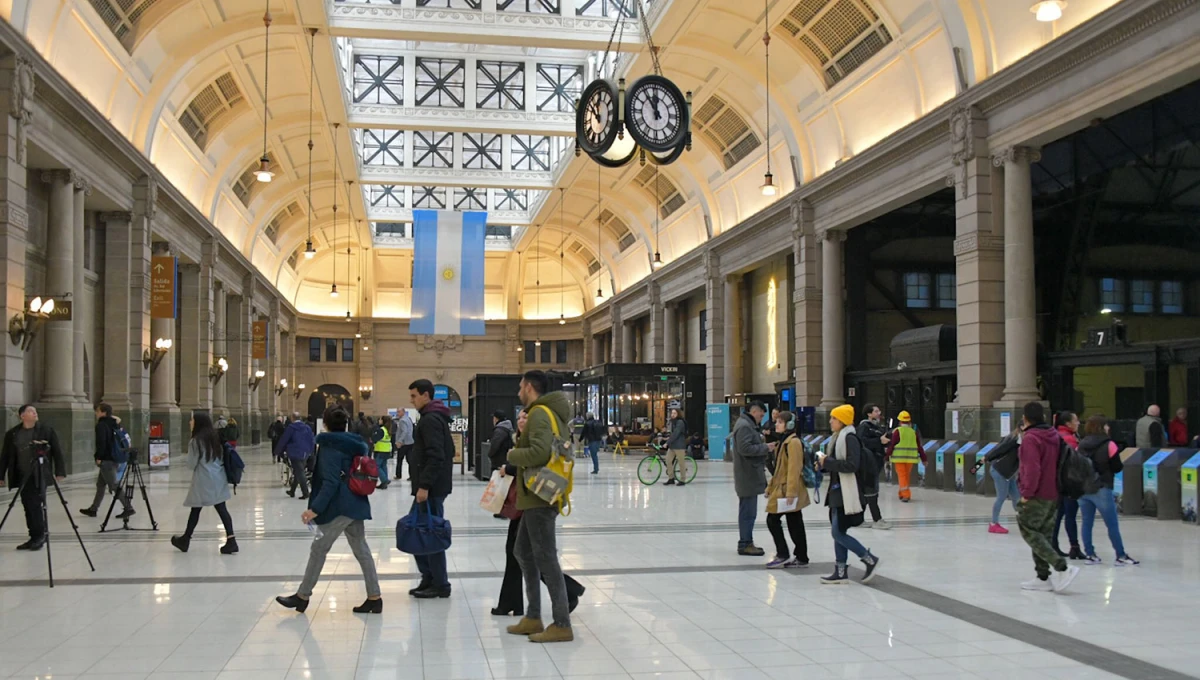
x=677, y=450
x=905, y=449
x=432, y=470
x=843, y=460
x=337, y=510
x=1038, y=483
x=382, y=449
x=787, y=496
x=873, y=435
x=749, y=474
x=511, y=601
x=297, y=444
x=1098, y=445
x=210, y=486
x=19, y=460
x=274, y=432
x=501, y=441
x=106, y=463
x=1149, y=434
x=593, y=434
x=1004, y=465
x=536, y=548
x=1068, y=508
x=403, y=439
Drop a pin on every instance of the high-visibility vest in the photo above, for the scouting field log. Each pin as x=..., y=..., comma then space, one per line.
x=906, y=450
x=384, y=445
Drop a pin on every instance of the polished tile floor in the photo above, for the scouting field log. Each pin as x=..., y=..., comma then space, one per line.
x=667, y=596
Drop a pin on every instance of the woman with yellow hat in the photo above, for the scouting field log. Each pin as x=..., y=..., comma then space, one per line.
x=843, y=461
x=904, y=450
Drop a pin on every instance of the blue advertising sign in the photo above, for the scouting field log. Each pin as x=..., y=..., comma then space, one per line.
x=717, y=417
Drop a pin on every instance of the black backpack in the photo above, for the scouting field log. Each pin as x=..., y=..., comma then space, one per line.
x=1077, y=476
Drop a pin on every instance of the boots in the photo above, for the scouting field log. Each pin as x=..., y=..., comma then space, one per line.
x=181, y=542
x=554, y=633
x=370, y=607
x=230, y=547
x=527, y=626
x=837, y=578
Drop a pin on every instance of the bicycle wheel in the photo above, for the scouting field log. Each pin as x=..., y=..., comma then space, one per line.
x=649, y=470
x=689, y=469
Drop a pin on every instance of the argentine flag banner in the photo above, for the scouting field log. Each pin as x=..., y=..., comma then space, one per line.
x=448, y=272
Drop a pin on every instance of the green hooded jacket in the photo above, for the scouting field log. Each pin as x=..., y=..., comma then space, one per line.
x=533, y=446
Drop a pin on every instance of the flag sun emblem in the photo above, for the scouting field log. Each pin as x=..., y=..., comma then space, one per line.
x=448, y=274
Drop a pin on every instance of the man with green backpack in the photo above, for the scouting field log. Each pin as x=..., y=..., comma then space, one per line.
x=544, y=471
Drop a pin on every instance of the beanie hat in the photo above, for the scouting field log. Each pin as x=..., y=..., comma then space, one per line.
x=904, y=417
x=844, y=413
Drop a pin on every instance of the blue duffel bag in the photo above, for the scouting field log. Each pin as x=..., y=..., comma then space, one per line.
x=421, y=533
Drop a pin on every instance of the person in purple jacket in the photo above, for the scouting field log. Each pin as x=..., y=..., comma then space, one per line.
x=1038, y=484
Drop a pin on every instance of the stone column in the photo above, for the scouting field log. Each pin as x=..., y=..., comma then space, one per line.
x=194, y=346
x=714, y=300
x=615, y=351
x=833, y=327
x=236, y=380
x=164, y=405
x=806, y=302
x=274, y=356
x=598, y=356
x=80, y=315
x=731, y=336
x=59, y=385
x=17, y=83
x=1020, y=298
x=655, y=345
x=118, y=234
x=628, y=343
x=220, y=346
x=670, y=353
x=588, y=341
x=145, y=199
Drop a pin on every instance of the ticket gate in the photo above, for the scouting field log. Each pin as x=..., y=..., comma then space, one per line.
x=961, y=464
x=1189, y=481
x=924, y=474
x=979, y=482
x=1161, y=483
x=1127, y=484
x=947, y=464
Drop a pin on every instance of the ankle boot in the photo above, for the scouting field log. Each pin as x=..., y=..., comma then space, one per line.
x=293, y=602
x=370, y=607
x=181, y=542
x=230, y=546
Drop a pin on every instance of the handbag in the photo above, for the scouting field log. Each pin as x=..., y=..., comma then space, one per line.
x=417, y=535
x=510, y=511
x=553, y=481
x=495, y=493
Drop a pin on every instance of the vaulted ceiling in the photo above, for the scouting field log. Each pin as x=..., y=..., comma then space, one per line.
x=469, y=104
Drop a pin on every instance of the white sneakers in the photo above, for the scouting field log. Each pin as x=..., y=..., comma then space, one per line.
x=1059, y=581
x=882, y=525
x=1038, y=585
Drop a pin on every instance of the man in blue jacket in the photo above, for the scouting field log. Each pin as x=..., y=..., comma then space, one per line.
x=298, y=443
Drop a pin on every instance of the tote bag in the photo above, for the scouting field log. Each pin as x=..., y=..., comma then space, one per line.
x=421, y=533
x=495, y=493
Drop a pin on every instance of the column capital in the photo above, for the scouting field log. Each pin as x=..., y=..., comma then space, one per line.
x=234, y=297
x=189, y=267
x=116, y=216
x=1017, y=154
x=160, y=248
x=832, y=236
x=66, y=176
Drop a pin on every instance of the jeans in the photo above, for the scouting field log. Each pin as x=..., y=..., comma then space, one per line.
x=433, y=567
x=594, y=452
x=1067, y=510
x=106, y=480
x=1035, y=517
x=222, y=512
x=299, y=475
x=1006, y=489
x=356, y=536
x=1103, y=501
x=843, y=544
x=381, y=459
x=747, y=514
x=537, y=554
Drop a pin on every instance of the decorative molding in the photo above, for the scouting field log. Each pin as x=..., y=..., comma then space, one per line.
x=13, y=216
x=712, y=265
x=439, y=343
x=805, y=294
x=832, y=236
x=458, y=177
x=967, y=125
x=977, y=242
x=116, y=216
x=1017, y=154
x=21, y=92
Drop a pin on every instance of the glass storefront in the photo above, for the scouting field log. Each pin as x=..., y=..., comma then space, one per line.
x=638, y=397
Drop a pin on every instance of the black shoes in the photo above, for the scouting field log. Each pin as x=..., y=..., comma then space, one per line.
x=496, y=611
x=370, y=607
x=33, y=544
x=870, y=563
x=300, y=604
x=129, y=512
x=291, y=493
x=230, y=547
x=383, y=485
x=87, y=512
x=181, y=542
x=304, y=497
x=423, y=585
x=1075, y=554
x=670, y=482
x=431, y=593
x=682, y=483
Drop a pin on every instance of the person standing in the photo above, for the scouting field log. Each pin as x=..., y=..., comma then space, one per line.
x=1102, y=450
x=873, y=435
x=749, y=474
x=274, y=432
x=297, y=444
x=787, y=496
x=404, y=440
x=210, y=486
x=1178, y=429
x=593, y=433
x=677, y=449
x=1068, y=508
x=1004, y=465
x=536, y=548
x=501, y=441
x=843, y=461
x=1149, y=431
x=18, y=461
x=107, y=464
x=1038, y=483
x=382, y=448
x=335, y=509
x=432, y=471
x=905, y=449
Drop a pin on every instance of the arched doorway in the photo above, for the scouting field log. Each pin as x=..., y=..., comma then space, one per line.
x=329, y=395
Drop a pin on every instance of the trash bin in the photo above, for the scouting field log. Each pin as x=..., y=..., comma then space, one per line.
x=1188, y=475
x=1160, y=484
x=964, y=459
x=1127, y=484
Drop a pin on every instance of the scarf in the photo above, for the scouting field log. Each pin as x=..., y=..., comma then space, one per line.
x=851, y=503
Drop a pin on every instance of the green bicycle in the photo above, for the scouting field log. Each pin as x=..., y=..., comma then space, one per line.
x=651, y=469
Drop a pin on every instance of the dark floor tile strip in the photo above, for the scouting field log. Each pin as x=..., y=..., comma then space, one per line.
x=1063, y=645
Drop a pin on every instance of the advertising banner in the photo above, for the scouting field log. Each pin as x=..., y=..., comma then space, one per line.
x=717, y=417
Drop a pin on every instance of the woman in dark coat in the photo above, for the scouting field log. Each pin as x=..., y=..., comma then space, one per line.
x=512, y=590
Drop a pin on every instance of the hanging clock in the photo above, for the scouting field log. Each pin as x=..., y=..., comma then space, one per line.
x=656, y=113
x=666, y=158
x=597, y=118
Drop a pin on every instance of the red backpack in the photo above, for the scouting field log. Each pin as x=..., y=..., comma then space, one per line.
x=364, y=475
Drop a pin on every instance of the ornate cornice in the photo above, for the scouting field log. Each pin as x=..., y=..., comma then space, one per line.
x=1017, y=154
x=116, y=216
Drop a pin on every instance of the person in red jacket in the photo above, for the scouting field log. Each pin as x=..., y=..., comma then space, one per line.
x=1038, y=484
x=1177, y=430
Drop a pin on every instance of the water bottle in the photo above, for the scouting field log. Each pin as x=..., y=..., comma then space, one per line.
x=315, y=530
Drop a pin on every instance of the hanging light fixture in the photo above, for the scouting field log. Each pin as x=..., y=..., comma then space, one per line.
x=1050, y=10
x=562, y=266
x=657, y=263
x=349, y=236
x=309, y=251
x=599, y=289
x=333, y=291
x=264, y=173
x=768, y=186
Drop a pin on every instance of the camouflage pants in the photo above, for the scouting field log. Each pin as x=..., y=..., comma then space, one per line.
x=1035, y=518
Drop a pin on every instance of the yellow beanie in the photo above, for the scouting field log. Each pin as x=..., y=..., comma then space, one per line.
x=844, y=413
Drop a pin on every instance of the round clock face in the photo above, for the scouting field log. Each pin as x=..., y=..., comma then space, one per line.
x=656, y=113
x=596, y=121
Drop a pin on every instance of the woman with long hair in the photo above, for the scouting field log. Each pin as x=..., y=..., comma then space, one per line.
x=677, y=450
x=1068, y=509
x=1099, y=446
x=210, y=486
x=787, y=496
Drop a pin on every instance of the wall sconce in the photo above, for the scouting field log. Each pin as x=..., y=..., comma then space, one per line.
x=218, y=370
x=282, y=386
x=298, y=390
x=257, y=379
x=151, y=359
x=24, y=327
x=365, y=392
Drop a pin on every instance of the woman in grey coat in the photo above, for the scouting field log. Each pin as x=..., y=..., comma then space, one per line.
x=210, y=486
x=676, y=449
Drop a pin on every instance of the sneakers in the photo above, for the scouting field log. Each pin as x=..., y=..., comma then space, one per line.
x=1126, y=561
x=1061, y=580
x=1091, y=560
x=996, y=529
x=1037, y=584
x=778, y=562
x=795, y=563
x=526, y=626
x=881, y=524
x=554, y=633
x=751, y=551
x=87, y=512
x=870, y=564
x=837, y=578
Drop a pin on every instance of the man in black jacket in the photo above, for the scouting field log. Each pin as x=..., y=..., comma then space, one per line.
x=18, y=459
x=274, y=432
x=501, y=441
x=432, y=470
x=872, y=433
x=107, y=463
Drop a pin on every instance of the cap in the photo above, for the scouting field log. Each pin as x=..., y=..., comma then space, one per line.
x=904, y=417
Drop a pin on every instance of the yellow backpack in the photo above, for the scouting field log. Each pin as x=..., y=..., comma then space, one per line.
x=554, y=481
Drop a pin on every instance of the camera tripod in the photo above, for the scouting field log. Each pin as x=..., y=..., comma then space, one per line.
x=133, y=474
x=38, y=478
